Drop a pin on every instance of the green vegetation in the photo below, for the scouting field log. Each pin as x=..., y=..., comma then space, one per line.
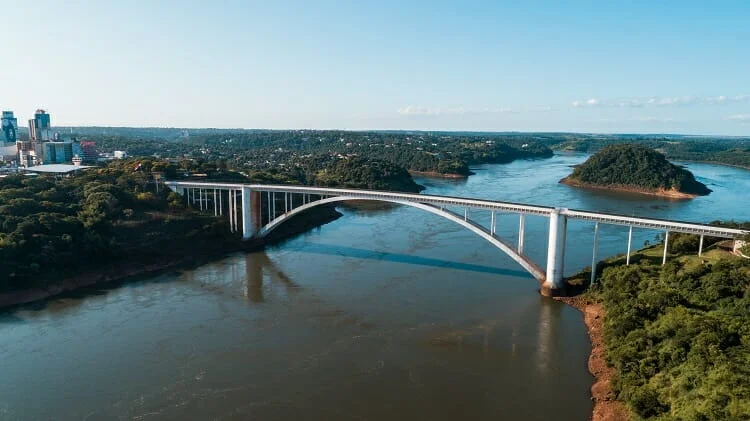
x=637, y=167
x=52, y=229
x=292, y=150
x=363, y=174
x=728, y=151
x=678, y=335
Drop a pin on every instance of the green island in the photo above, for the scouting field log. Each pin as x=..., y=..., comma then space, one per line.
x=670, y=342
x=635, y=168
x=725, y=150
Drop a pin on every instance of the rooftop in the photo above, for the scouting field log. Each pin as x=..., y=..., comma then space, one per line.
x=56, y=168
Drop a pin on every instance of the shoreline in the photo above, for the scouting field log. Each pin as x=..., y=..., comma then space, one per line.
x=677, y=160
x=669, y=194
x=119, y=272
x=133, y=268
x=606, y=405
x=436, y=174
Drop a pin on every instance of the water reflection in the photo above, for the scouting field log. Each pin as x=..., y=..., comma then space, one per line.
x=549, y=318
x=257, y=267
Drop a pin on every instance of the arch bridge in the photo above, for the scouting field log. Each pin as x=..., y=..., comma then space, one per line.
x=257, y=209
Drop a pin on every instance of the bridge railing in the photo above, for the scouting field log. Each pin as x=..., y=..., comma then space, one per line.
x=491, y=205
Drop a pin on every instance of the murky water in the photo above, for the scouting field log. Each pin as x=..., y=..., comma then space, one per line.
x=383, y=314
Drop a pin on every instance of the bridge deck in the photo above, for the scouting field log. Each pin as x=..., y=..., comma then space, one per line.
x=442, y=201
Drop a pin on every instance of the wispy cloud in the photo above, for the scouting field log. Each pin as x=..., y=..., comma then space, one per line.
x=640, y=119
x=740, y=117
x=661, y=101
x=653, y=119
x=418, y=110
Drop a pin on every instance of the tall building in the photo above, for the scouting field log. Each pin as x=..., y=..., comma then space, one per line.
x=9, y=125
x=40, y=129
x=8, y=136
x=43, y=146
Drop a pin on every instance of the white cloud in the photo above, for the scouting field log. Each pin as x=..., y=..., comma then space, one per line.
x=652, y=119
x=740, y=117
x=418, y=110
x=661, y=101
x=640, y=119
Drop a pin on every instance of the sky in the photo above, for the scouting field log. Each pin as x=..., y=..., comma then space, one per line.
x=583, y=66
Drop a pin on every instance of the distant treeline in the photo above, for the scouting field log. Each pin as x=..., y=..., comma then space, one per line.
x=285, y=150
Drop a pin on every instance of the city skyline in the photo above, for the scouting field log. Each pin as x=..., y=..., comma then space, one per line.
x=673, y=67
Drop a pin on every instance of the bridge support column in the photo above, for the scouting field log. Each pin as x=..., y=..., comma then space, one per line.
x=666, y=245
x=256, y=214
x=700, y=247
x=231, y=210
x=248, y=227
x=521, y=229
x=553, y=284
x=630, y=243
x=593, y=257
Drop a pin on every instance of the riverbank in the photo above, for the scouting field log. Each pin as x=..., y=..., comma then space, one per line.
x=119, y=272
x=140, y=265
x=439, y=175
x=669, y=194
x=606, y=405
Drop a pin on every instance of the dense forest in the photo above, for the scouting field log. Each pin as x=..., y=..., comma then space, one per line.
x=53, y=228
x=290, y=149
x=635, y=166
x=678, y=337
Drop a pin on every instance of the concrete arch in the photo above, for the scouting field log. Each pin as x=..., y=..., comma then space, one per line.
x=521, y=259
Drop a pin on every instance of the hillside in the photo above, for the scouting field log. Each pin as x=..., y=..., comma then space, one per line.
x=635, y=168
x=674, y=337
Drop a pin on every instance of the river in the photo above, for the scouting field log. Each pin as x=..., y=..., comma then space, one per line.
x=382, y=314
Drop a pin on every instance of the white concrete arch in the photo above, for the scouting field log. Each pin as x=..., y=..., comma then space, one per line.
x=521, y=259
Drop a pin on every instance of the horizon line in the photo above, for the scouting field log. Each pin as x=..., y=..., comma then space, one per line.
x=402, y=130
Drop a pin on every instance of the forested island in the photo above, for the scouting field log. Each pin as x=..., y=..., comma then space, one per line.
x=731, y=151
x=635, y=168
x=670, y=342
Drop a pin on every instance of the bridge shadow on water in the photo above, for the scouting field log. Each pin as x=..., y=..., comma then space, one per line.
x=334, y=250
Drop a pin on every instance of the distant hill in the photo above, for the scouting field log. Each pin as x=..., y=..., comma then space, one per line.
x=635, y=168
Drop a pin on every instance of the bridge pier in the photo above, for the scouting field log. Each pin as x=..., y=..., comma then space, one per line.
x=251, y=213
x=553, y=283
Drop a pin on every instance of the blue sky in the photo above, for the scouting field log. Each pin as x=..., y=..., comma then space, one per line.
x=590, y=66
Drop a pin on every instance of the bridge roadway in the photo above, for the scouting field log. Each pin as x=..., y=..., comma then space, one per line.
x=509, y=207
x=251, y=211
